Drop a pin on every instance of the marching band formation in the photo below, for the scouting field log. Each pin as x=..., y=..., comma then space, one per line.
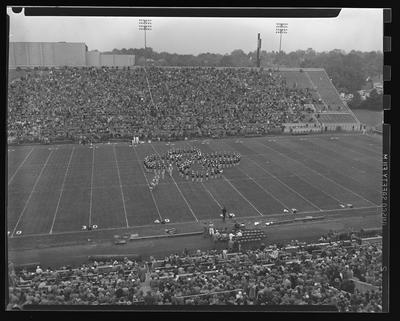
x=210, y=165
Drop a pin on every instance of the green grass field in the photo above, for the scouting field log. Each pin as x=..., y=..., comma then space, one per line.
x=54, y=190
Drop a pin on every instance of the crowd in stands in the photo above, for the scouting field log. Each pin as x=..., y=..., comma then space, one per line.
x=291, y=274
x=90, y=104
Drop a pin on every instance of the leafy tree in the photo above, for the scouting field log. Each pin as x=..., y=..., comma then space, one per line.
x=356, y=101
x=226, y=61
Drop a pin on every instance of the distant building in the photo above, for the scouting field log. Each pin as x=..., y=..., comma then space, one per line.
x=60, y=54
x=379, y=87
x=346, y=97
x=96, y=59
x=46, y=54
x=364, y=94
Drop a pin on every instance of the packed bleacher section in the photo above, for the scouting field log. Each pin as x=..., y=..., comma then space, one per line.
x=324, y=273
x=168, y=103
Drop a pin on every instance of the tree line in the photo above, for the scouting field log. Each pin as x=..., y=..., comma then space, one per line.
x=373, y=102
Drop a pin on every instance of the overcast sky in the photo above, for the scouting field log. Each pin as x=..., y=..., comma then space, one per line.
x=358, y=29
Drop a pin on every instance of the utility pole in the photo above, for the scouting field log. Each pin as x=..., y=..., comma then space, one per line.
x=281, y=28
x=258, y=49
x=145, y=25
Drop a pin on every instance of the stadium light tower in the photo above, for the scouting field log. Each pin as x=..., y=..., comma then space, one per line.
x=281, y=28
x=145, y=25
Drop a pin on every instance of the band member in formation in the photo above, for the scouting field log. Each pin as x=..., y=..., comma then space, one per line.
x=211, y=164
x=135, y=140
x=154, y=182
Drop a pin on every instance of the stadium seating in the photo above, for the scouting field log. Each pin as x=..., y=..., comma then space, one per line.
x=340, y=273
x=88, y=104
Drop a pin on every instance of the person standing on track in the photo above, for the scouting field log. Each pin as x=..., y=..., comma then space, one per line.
x=223, y=213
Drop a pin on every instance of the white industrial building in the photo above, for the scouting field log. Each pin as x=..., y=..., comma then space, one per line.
x=60, y=54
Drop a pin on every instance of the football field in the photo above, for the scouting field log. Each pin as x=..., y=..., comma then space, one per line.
x=56, y=189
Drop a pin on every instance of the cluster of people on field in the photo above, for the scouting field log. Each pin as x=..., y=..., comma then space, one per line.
x=293, y=274
x=209, y=165
x=97, y=104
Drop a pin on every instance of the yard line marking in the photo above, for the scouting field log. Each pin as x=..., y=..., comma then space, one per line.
x=265, y=190
x=188, y=222
x=18, y=168
x=319, y=143
x=318, y=173
x=207, y=190
x=120, y=185
x=269, y=173
x=183, y=196
x=148, y=184
x=251, y=204
x=305, y=181
x=212, y=196
x=31, y=193
x=287, y=207
x=367, y=152
x=91, y=190
x=358, y=162
x=62, y=189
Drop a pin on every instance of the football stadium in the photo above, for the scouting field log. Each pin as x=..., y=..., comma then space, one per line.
x=145, y=185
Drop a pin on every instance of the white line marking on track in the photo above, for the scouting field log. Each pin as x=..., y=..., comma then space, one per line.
x=318, y=173
x=20, y=165
x=120, y=185
x=30, y=195
x=183, y=196
x=148, y=184
x=62, y=189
